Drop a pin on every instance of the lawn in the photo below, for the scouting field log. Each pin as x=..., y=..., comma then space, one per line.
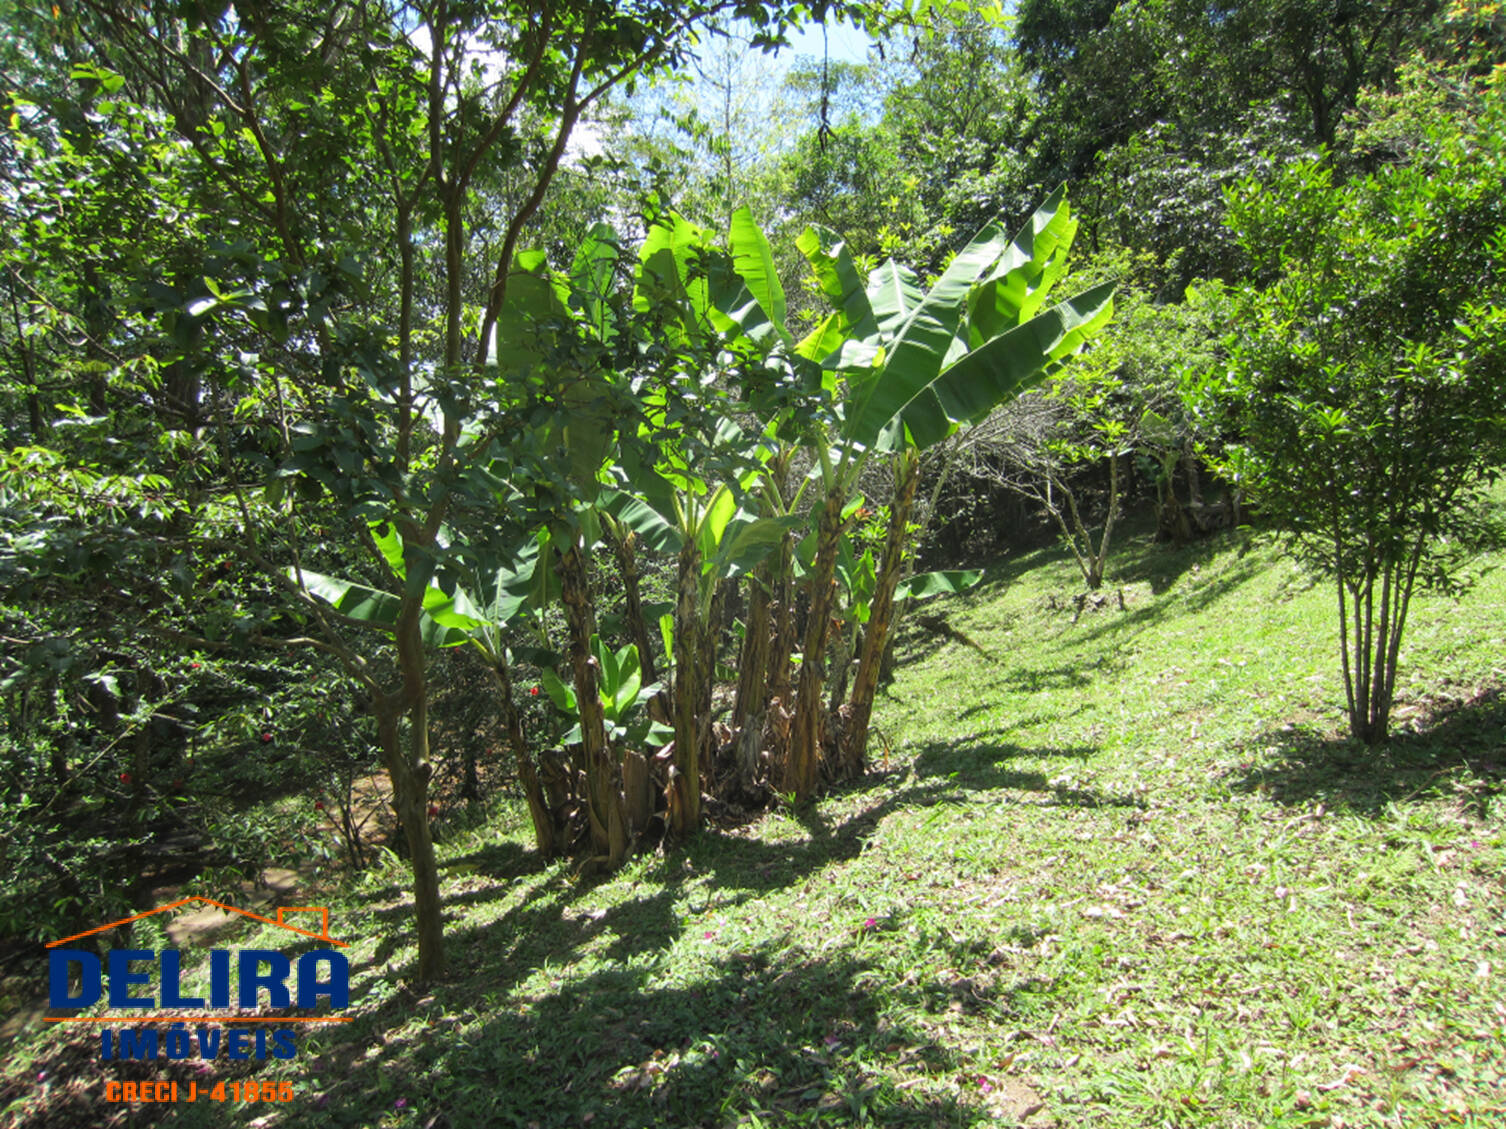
x=1118, y=872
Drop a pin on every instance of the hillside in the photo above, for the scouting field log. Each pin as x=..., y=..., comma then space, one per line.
x=1127, y=873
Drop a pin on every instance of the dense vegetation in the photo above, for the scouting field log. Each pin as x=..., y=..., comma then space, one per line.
x=425, y=417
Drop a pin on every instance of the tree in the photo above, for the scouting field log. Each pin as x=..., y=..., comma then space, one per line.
x=1114, y=411
x=1365, y=384
x=1150, y=108
x=353, y=182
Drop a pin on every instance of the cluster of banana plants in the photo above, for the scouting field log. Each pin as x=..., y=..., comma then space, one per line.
x=670, y=424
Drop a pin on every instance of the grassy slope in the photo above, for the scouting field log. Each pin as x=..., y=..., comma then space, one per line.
x=1123, y=875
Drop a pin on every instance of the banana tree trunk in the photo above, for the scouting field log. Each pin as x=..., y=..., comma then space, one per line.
x=626, y=551
x=781, y=569
x=753, y=661
x=685, y=789
x=544, y=826
x=880, y=616
x=841, y=662
x=782, y=591
x=708, y=641
x=802, y=763
x=604, y=804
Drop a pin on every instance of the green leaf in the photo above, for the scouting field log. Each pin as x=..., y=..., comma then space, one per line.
x=452, y=611
x=923, y=340
x=390, y=545
x=561, y=695
x=853, y=321
x=591, y=277
x=606, y=661
x=380, y=609
x=714, y=521
x=1007, y=365
x=358, y=601
x=983, y=378
x=504, y=589
x=754, y=261
x=894, y=294
x=668, y=277
x=1019, y=283
x=944, y=583
x=528, y=325
x=667, y=634
x=626, y=692
x=654, y=526
x=747, y=540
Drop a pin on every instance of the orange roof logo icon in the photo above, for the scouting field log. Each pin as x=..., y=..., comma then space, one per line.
x=279, y=921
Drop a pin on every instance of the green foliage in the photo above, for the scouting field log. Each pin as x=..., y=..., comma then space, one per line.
x=1365, y=381
x=623, y=698
x=947, y=582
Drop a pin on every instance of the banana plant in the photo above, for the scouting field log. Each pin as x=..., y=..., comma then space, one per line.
x=559, y=334
x=713, y=539
x=696, y=495
x=914, y=365
x=623, y=697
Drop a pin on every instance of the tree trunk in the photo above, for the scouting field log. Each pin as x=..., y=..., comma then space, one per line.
x=782, y=645
x=685, y=799
x=1194, y=480
x=841, y=662
x=411, y=791
x=881, y=615
x=1173, y=521
x=545, y=829
x=625, y=549
x=604, y=806
x=802, y=762
x=97, y=320
x=409, y=771
x=1110, y=517
x=753, y=661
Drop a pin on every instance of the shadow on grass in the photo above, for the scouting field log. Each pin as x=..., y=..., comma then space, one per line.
x=790, y=1038
x=1109, y=622
x=1458, y=751
x=793, y=1036
x=607, y=1033
x=546, y=927
x=984, y=767
x=1144, y=560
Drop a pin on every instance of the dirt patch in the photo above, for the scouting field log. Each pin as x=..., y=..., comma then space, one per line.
x=1012, y=1102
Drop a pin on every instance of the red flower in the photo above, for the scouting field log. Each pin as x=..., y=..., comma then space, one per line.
x=266, y=738
x=534, y=692
x=194, y=666
x=318, y=805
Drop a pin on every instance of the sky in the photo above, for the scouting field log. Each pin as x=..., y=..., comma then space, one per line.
x=847, y=44
x=844, y=43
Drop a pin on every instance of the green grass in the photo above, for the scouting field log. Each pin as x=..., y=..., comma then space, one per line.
x=1128, y=874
